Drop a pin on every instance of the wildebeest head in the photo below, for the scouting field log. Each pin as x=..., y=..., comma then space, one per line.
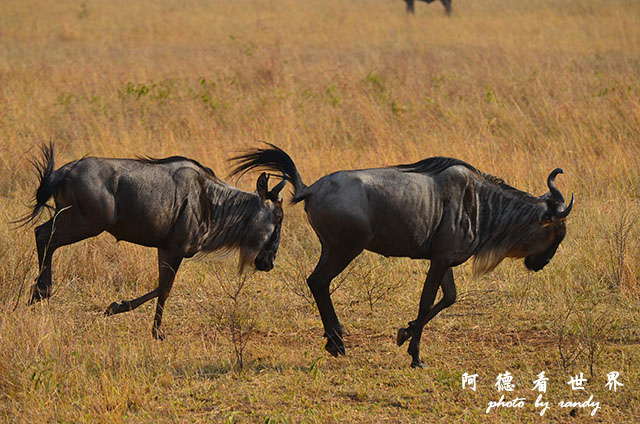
x=553, y=226
x=272, y=203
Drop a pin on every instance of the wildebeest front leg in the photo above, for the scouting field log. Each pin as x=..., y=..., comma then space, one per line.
x=331, y=264
x=429, y=291
x=130, y=305
x=438, y=276
x=168, y=264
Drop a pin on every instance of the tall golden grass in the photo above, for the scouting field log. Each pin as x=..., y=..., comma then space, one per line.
x=515, y=88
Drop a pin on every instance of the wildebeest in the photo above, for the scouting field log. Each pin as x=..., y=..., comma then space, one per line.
x=445, y=3
x=439, y=208
x=174, y=204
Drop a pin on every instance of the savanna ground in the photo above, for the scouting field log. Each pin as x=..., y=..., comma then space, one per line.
x=514, y=87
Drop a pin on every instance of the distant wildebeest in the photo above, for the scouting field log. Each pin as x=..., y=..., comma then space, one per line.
x=175, y=204
x=439, y=208
x=445, y=3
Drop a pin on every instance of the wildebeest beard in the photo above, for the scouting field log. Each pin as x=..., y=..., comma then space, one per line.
x=266, y=257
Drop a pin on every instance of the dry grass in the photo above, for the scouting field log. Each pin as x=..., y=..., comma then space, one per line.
x=515, y=88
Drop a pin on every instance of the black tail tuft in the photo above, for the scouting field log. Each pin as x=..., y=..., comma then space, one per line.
x=48, y=184
x=273, y=159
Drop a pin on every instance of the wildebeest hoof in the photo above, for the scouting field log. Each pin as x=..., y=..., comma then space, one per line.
x=116, y=308
x=334, y=348
x=37, y=295
x=418, y=364
x=403, y=336
x=112, y=309
x=335, y=345
x=158, y=334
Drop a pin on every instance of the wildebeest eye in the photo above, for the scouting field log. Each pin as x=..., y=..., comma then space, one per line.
x=546, y=219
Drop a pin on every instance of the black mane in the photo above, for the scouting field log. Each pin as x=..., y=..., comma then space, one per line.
x=434, y=165
x=438, y=164
x=171, y=159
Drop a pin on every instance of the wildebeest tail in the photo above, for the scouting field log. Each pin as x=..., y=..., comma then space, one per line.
x=272, y=159
x=49, y=182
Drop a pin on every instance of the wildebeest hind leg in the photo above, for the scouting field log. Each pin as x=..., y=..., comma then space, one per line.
x=66, y=227
x=332, y=262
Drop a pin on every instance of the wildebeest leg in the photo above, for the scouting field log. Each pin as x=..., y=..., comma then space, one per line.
x=332, y=262
x=66, y=227
x=447, y=6
x=409, y=6
x=130, y=305
x=438, y=276
x=42, y=288
x=429, y=291
x=448, y=298
x=168, y=264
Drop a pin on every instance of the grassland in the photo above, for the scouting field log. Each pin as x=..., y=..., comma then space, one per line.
x=516, y=88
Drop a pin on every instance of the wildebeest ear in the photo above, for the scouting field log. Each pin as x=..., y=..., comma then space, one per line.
x=261, y=186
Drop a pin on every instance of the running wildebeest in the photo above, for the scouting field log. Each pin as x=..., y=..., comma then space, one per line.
x=175, y=204
x=440, y=209
x=445, y=3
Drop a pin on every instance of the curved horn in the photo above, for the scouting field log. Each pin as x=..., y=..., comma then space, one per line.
x=566, y=210
x=275, y=191
x=551, y=183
